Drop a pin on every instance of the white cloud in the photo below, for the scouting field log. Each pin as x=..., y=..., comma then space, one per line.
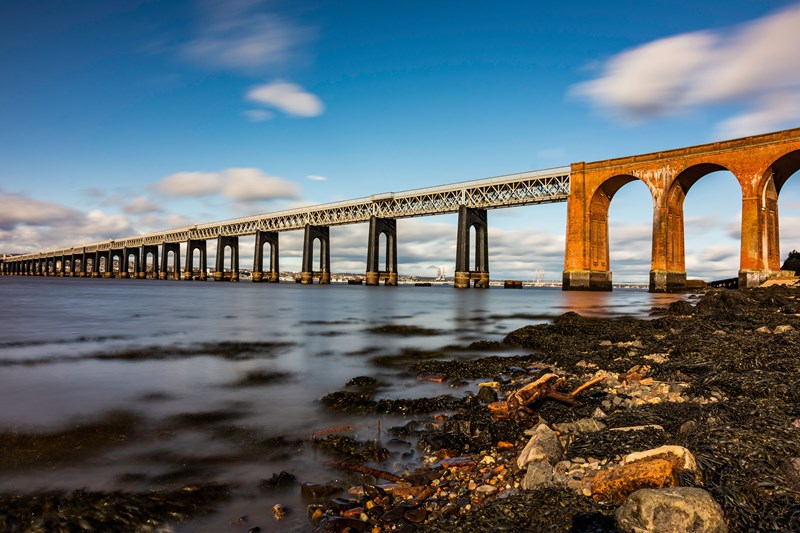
x=316, y=178
x=140, y=205
x=244, y=35
x=190, y=184
x=247, y=184
x=287, y=97
x=241, y=184
x=258, y=115
x=17, y=210
x=755, y=65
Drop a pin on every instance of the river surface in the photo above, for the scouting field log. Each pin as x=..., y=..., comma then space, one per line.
x=208, y=369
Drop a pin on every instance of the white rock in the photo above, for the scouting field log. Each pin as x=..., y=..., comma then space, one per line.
x=685, y=459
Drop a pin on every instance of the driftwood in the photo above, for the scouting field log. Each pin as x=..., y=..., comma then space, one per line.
x=329, y=431
x=545, y=387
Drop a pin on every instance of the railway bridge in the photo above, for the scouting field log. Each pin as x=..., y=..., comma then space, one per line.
x=761, y=164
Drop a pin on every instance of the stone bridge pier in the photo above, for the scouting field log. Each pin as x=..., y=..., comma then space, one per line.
x=152, y=250
x=313, y=234
x=273, y=274
x=164, y=272
x=469, y=218
x=377, y=228
x=219, y=273
x=189, y=273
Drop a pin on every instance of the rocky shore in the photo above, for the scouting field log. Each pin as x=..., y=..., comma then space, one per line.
x=689, y=421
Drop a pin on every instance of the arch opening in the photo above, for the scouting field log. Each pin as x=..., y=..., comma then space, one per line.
x=782, y=225
x=619, y=236
x=704, y=228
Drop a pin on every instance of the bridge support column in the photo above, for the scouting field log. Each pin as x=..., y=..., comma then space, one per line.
x=313, y=233
x=191, y=246
x=82, y=270
x=219, y=273
x=468, y=218
x=62, y=268
x=149, y=249
x=164, y=272
x=125, y=266
x=759, y=228
x=112, y=254
x=378, y=227
x=259, y=274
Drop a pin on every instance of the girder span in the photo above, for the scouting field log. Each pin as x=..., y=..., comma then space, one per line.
x=536, y=187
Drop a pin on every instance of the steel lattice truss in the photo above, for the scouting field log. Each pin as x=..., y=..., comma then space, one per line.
x=544, y=186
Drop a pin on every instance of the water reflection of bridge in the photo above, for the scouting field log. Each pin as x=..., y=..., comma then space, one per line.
x=761, y=164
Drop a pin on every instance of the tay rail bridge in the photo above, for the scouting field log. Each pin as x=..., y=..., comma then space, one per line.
x=761, y=164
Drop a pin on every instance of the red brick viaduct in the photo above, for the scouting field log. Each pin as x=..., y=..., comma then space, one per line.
x=761, y=165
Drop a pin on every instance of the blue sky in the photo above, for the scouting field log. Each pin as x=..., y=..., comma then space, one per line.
x=131, y=116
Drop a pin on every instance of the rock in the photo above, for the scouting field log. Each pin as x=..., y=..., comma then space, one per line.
x=279, y=511
x=539, y=475
x=315, y=491
x=687, y=426
x=486, y=490
x=785, y=328
x=588, y=425
x=791, y=468
x=487, y=395
x=672, y=510
x=543, y=446
x=680, y=457
x=617, y=483
x=599, y=413
x=763, y=329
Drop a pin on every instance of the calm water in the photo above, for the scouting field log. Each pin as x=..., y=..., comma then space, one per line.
x=75, y=349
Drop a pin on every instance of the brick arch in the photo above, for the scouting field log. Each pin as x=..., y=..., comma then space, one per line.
x=669, y=175
x=599, y=254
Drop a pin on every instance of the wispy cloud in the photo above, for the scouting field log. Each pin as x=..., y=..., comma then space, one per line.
x=241, y=184
x=287, y=97
x=245, y=35
x=754, y=65
x=141, y=205
x=258, y=115
x=316, y=178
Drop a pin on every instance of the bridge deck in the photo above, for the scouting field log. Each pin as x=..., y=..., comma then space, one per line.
x=536, y=187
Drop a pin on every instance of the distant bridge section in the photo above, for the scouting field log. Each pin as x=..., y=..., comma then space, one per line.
x=468, y=198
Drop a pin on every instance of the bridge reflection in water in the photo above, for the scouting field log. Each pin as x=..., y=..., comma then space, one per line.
x=761, y=164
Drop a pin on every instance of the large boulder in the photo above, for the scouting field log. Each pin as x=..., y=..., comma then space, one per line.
x=543, y=446
x=671, y=510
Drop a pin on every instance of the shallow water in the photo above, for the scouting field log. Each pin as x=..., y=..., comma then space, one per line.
x=75, y=350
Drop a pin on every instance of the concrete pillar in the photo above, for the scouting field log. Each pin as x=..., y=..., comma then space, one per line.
x=219, y=273
x=313, y=233
x=378, y=227
x=62, y=268
x=166, y=248
x=469, y=218
x=149, y=249
x=273, y=274
x=191, y=246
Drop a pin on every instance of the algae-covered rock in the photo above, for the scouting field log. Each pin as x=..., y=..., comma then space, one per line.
x=672, y=510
